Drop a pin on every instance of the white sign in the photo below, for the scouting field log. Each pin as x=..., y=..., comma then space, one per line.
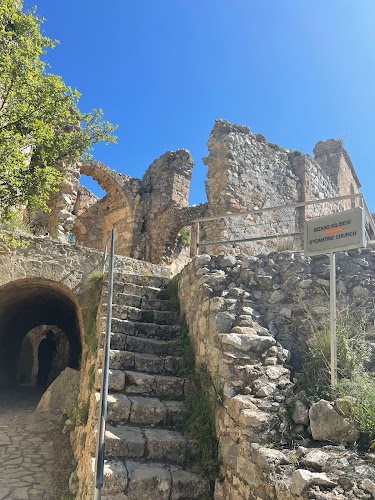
x=335, y=233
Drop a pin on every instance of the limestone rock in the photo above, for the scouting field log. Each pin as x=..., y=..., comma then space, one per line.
x=300, y=414
x=246, y=342
x=369, y=486
x=316, y=459
x=303, y=479
x=61, y=395
x=327, y=425
x=228, y=261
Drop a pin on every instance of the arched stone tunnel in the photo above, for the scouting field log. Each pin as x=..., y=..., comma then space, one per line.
x=26, y=304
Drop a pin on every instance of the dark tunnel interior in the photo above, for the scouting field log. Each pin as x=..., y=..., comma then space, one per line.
x=26, y=304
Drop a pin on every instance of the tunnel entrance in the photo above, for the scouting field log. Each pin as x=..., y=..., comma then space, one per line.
x=30, y=310
x=32, y=361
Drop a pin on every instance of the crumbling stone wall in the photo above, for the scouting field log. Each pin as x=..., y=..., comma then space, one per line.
x=163, y=192
x=245, y=172
x=249, y=321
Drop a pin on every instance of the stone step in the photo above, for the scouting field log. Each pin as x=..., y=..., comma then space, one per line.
x=147, y=363
x=148, y=330
x=157, y=481
x=134, y=383
x=128, y=299
x=139, y=410
x=159, y=386
x=148, y=292
x=144, y=345
x=120, y=311
x=136, y=279
x=146, y=443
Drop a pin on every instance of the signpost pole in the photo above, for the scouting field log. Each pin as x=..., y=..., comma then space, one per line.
x=332, y=261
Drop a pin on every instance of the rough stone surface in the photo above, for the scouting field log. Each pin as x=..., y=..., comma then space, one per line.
x=244, y=173
x=62, y=394
x=327, y=425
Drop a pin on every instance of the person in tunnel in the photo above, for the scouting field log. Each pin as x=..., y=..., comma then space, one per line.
x=46, y=352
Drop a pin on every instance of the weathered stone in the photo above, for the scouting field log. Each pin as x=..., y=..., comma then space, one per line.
x=148, y=481
x=267, y=459
x=124, y=441
x=228, y=261
x=327, y=425
x=276, y=296
x=246, y=342
x=224, y=321
x=316, y=459
x=286, y=311
x=61, y=395
x=147, y=410
x=303, y=479
x=163, y=445
x=185, y=484
x=115, y=478
x=369, y=486
x=301, y=413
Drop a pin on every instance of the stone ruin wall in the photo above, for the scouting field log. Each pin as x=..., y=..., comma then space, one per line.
x=245, y=172
x=249, y=320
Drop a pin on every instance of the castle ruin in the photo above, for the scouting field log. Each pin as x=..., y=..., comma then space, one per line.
x=247, y=309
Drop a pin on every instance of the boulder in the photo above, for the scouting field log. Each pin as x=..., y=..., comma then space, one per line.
x=62, y=394
x=328, y=425
x=303, y=479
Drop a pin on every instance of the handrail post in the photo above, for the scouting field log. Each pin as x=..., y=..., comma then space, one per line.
x=196, y=246
x=100, y=448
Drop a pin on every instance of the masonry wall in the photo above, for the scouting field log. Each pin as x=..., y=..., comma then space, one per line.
x=249, y=320
x=245, y=172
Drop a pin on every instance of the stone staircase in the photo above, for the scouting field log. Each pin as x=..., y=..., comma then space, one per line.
x=146, y=456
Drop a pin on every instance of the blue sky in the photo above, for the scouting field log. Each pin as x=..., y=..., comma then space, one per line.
x=297, y=71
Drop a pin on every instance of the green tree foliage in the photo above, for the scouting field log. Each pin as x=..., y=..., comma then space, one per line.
x=41, y=126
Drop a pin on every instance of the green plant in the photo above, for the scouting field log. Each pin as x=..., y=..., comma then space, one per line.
x=83, y=438
x=356, y=386
x=41, y=124
x=78, y=415
x=185, y=349
x=290, y=408
x=91, y=377
x=296, y=152
x=352, y=353
x=202, y=399
x=202, y=402
x=183, y=237
x=90, y=299
x=144, y=280
x=359, y=392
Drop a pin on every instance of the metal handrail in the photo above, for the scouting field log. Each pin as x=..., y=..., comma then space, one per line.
x=260, y=211
x=102, y=417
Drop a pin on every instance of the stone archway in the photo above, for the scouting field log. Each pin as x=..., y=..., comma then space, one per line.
x=96, y=216
x=28, y=363
x=25, y=305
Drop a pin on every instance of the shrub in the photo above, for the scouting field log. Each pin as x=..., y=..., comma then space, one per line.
x=92, y=292
x=202, y=402
x=184, y=237
x=355, y=384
